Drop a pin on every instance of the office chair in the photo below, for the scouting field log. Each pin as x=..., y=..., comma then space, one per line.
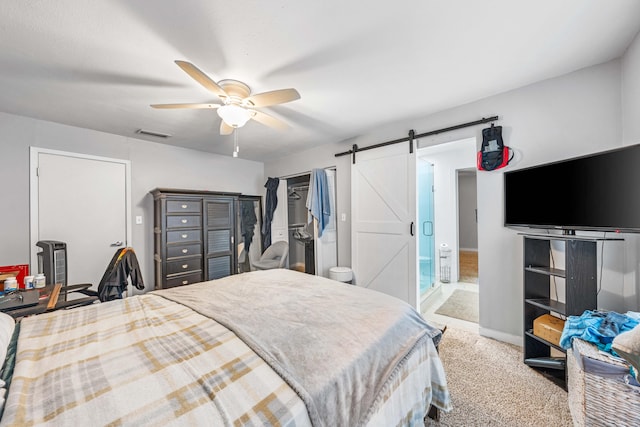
x=114, y=282
x=275, y=256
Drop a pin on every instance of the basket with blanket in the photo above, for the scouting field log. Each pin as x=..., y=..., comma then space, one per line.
x=603, y=350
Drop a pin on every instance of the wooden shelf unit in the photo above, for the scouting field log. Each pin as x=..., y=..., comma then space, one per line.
x=580, y=276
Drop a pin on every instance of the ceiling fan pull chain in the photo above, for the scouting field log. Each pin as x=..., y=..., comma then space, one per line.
x=236, y=149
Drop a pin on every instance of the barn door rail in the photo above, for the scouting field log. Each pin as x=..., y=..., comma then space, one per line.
x=412, y=136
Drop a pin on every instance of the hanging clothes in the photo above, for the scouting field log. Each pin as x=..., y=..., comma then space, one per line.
x=271, y=202
x=318, y=199
x=123, y=265
x=248, y=220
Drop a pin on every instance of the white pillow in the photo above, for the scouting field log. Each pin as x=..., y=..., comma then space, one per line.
x=7, y=325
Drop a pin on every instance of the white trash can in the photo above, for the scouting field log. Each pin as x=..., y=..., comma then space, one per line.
x=445, y=263
x=341, y=274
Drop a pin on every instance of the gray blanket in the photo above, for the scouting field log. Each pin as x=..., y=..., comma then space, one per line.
x=336, y=345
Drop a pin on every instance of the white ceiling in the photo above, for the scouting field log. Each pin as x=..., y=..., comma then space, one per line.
x=357, y=64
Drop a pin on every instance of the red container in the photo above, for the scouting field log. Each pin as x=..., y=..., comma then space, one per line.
x=18, y=271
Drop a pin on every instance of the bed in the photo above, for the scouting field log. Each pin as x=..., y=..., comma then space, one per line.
x=273, y=347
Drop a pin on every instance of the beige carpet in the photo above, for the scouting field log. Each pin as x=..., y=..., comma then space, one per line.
x=490, y=386
x=461, y=305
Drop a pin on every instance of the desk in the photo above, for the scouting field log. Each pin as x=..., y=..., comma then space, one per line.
x=48, y=302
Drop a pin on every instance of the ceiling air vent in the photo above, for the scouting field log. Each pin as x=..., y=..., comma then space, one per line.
x=153, y=133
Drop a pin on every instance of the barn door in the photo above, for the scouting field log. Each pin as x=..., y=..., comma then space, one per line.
x=383, y=210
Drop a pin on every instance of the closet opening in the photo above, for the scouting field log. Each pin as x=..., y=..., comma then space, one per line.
x=300, y=230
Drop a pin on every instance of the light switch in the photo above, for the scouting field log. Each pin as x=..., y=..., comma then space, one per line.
x=343, y=217
x=138, y=219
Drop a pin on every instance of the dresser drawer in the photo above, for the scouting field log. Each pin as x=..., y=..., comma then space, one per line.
x=186, y=279
x=175, y=251
x=184, y=236
x=187, y=206
x=183, y=221
x=184, y=265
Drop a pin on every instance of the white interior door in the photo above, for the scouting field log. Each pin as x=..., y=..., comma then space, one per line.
x=383, y=210
x=82, y=201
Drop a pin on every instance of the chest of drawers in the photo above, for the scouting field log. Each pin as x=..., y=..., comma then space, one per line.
x=193, y=236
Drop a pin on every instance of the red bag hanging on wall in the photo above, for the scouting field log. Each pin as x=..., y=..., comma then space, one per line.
x=493, y=153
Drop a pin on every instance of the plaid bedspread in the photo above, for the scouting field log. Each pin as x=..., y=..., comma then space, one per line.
x=148, y=361
x=142, y=361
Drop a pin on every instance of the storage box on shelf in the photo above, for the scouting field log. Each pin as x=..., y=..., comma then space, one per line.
x=548, y=328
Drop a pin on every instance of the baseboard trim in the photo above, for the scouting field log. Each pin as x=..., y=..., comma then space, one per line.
x=501, y=336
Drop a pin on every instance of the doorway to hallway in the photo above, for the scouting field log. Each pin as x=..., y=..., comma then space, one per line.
x=467, y=226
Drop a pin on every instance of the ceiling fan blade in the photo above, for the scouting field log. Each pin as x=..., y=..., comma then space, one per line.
x=202, y=78
x=268, y=120
x=191, y=106
x=225, y=129
x=274, y=97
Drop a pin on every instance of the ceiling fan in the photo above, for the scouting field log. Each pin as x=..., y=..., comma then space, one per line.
x=238, y=104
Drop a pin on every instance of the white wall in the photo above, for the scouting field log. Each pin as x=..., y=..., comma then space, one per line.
x=575, y=114
x=631, y=93
x=152, y=165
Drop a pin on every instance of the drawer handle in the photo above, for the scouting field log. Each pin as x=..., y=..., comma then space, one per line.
x=184, y=251
x=184, y=236
x=184, y=221
x=185, y=282
x=185, y=265
x=184, y=206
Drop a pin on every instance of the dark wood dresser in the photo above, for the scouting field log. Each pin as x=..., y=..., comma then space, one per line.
x=193, y=236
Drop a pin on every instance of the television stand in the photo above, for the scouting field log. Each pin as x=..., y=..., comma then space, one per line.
x=578, y=272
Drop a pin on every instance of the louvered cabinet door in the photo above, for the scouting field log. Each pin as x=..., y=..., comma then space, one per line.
x=219, y=217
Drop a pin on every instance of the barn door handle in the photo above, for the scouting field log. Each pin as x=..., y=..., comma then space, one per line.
x=411, y=228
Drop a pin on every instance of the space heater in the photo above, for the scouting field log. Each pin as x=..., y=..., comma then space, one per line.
x=52, y=261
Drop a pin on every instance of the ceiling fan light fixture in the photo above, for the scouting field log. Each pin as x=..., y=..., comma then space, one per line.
x=234, y=115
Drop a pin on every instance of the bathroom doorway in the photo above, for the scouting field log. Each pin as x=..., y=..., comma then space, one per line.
x=438, y=189
x=455, y=233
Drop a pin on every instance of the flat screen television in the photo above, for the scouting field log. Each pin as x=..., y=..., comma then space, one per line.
x=596, y=192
